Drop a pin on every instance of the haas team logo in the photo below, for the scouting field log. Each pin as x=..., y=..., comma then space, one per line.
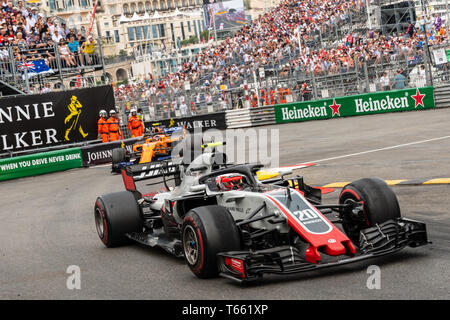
x=75, y=108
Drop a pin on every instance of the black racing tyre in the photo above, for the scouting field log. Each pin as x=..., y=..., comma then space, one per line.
x=118, y=155
x=115, y=215
x=379, y=203
x=206, y=231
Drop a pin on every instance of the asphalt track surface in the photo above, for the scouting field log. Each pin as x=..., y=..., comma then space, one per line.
x=47, y=222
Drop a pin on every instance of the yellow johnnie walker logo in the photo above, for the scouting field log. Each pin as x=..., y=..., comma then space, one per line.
x=72, y=119
x=172, y=122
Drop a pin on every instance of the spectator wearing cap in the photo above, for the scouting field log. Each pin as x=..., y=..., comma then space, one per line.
x=88, y=48
x=34, y=13
x=63, y=30
x=56, y=37
x=30, y=20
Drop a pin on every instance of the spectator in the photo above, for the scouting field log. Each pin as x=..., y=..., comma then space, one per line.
x=46, y=88
x=56, y=37
x=88, y=48
x=74, y=47
x=437, y=21
x=385, y=82
x=183, y=109
x=66, y=54
x=399, y=80
x=306, y=92
x=411, y=30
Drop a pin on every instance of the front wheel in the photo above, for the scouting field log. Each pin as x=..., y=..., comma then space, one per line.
x=379, y=204
x=207, y=231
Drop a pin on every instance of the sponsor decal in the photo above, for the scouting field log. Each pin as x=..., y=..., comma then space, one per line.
x=302, y=211
x=40, y=163
x=42, y=120
x=72, y=119
x=202, y=121
x=154, y=169
x=102, y=153
x=379, y=102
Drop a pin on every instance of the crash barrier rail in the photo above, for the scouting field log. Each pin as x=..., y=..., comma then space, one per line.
x=442, y=96
x=362, y=104
x=40, y=163
x=48, y=149
x=249, y=117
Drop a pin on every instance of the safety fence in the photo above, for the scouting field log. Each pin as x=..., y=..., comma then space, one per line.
x=285, y=80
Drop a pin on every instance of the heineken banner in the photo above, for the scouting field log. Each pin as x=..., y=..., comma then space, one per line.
x=40, y=163
x=203, y=121
x=40, y=120
x=371, y=103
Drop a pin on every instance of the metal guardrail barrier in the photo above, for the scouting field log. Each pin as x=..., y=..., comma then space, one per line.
x=46, y=149
x=442, y=95
x=250, y=117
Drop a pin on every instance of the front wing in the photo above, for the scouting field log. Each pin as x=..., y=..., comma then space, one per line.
x=386, y=238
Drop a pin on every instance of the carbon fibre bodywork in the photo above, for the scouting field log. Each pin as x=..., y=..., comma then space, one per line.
x=282, y=223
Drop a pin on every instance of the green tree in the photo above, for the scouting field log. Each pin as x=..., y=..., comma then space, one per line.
x=205, y=35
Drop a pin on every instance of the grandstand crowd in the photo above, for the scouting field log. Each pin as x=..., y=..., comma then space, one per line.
x=273, y=36
x=267, y=40
x=29, y=37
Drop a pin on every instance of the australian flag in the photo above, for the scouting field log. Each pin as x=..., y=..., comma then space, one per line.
x=34, y=68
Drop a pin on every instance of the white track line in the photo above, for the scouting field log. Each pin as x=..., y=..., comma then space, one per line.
x=381, y=149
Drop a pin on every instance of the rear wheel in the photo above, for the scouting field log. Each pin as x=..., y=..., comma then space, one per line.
x=379, y=204
x=206, y=232
x=118, y=156
x=117, y=214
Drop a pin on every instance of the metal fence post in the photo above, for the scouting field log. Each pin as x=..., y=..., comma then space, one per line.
x=314, y=85
x=427, y=61
x=58, y=61
x=366, y=76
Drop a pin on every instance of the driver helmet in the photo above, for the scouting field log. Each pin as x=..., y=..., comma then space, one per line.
x=230, y=181
x=103, y=113
x=157, y=130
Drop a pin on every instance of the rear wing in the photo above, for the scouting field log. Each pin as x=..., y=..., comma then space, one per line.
x=151, y=170
x=166, y=170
